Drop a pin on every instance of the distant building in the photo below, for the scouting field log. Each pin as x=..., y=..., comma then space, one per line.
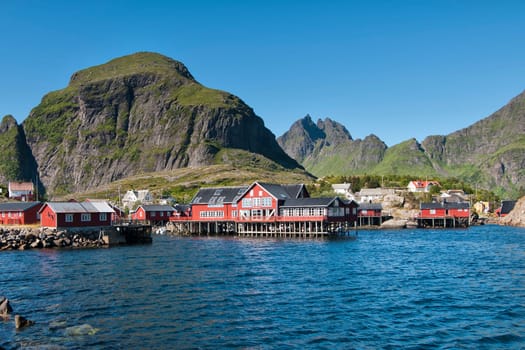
x=132, y=198
x=156, y=214
x=344, y=189
x=76, y=215
x=505, y=208
x=370, y=195
x=19, y=213
x=421, y=185
x=21, y=191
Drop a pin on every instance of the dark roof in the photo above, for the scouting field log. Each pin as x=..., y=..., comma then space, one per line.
x=154, y=207
x=17, y=206
x=278, y=191
x=370, y=206
x=308, y=202
x=182, y=207
x=218, y=195
x=296, y=191
x=507, y=206
x=447, y=205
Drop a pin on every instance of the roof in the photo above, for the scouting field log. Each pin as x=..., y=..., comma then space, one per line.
x=345, y=186
x=308, y=202
x=370, y=206
x=219, y=195
x=84, y=207
x=423, y=183
x=279, y=191
x=17, y=206
x=447, y=205
x=507, y=206
x=21, y=186
x=154, y=207
x=295, y=191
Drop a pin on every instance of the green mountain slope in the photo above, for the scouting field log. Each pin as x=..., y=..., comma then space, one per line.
x=137, y=114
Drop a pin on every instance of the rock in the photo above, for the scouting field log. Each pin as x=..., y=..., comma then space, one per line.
x=517, y=215
x=84, y=329
x=394, y=223
x=21, y=322
x=5, y=307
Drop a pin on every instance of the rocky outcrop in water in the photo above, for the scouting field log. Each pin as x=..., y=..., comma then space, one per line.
x=22, y=239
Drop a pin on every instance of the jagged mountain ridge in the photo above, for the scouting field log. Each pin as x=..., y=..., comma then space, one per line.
x=136, y=114
x=488, y=154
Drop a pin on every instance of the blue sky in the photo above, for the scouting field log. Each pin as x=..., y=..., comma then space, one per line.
x=397, y=69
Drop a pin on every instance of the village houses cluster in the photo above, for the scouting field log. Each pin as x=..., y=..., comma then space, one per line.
x=251, y=204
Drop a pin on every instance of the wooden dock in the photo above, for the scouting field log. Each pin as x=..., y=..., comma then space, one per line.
x=127, y=233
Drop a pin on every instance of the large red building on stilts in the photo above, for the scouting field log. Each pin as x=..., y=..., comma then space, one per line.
x=263, y=209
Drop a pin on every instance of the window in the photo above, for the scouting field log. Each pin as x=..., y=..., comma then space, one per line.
x=247, y=202
x=69, y=217
x=234, y=213
x=102, y=216
x=257, y=202
x=267, y=202
x=433, y=211
x=85, y=217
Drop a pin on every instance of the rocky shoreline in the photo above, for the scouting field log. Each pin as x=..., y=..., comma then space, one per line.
x=38, y=238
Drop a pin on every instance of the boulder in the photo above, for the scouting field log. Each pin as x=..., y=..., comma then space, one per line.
x=394, y=223
x=5, y=307
x=21, y=322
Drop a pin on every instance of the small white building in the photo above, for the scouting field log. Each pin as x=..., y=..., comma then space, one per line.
x=373, y=195
x=132, y=198
x=344, y=190
x=421, y=185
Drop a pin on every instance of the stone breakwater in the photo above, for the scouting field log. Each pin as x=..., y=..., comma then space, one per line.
x=27, y=238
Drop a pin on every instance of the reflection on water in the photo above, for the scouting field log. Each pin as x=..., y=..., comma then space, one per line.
x=387, y=289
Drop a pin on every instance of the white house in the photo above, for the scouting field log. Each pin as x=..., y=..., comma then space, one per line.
x=344, y=190
x=136, y=197
x=22, y=191
x=421, y=185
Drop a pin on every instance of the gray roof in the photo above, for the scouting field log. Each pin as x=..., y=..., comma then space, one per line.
x=447, y=205
x=507, y=206
x=84, y=207
x=219, y=195
x=308, y=202
x=153, y=207
x=370, y=206
x=295, y=191
x=17, y=206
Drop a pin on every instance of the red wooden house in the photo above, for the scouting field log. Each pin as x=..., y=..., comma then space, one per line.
x=20, y=213
x=369, y=214
x=268, y=209
x=76, y=215
x=444, y=214
x=156, y=214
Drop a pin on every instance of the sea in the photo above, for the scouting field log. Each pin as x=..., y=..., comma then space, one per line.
x=384, y=289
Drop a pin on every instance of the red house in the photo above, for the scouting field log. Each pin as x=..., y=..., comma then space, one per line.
x=268, y=209
x=369, y=214
x=20, y=213
x=156, y=214
x=76, y=215
x=445, y=214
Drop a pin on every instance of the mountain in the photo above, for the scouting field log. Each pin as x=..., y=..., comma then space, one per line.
x=488, y=154
x=137, y=114
x=16, y=160
x=326, y=147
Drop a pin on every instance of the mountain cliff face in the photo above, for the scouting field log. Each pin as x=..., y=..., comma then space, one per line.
x=135, y=114
x=328, y=148
x=16, y=161
x=488, y=154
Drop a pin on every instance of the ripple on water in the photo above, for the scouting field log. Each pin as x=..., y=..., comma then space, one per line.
x=387, y=289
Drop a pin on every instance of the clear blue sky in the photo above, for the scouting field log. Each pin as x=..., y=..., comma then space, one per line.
x=398, y=69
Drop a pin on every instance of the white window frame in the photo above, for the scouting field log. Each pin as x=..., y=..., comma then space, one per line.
x=85, y=217
x=68, y=218
x=102, y=216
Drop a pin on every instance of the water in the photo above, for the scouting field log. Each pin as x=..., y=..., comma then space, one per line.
x=388, y=289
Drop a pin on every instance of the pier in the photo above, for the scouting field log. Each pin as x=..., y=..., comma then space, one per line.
x=127, y=233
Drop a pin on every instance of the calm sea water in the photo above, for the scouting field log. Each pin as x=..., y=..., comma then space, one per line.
x=387, y=289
